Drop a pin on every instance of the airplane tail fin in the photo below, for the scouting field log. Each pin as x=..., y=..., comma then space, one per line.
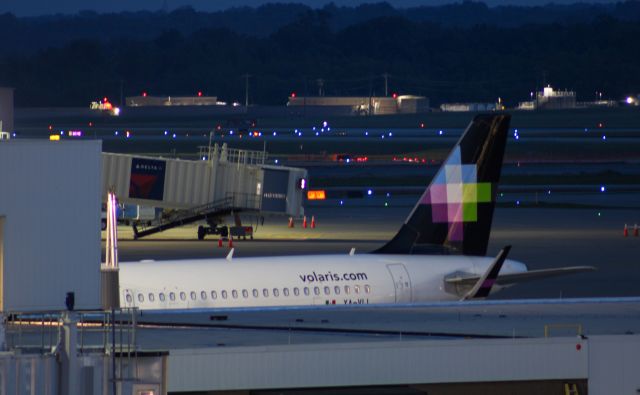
x=455, y=212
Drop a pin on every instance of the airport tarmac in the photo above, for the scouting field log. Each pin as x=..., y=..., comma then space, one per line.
x=541, y=238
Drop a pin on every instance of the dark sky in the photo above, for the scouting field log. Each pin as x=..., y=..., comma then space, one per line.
x=44, y=7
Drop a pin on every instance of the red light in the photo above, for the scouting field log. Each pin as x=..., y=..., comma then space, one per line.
x=199, y=93
x=293, y=95
x=422, y=125
x=144, y=94
x=105, y=99
x=395, y=95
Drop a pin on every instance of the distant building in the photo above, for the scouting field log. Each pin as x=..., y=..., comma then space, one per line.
x=466, y=107
x=549, y=99
x=361, y=105
x=6, y=112
x=159, y=101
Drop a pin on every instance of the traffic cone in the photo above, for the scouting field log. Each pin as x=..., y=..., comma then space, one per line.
x=230, y=242
x=313, y=222
x=626, y=230
x=220, y=242
x=635, y=230
x=291, y=222
x=304, y=222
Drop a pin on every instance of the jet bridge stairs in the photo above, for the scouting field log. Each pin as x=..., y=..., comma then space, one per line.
x=211, y=212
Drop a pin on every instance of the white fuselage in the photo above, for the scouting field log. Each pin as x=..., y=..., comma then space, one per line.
x=296, y=280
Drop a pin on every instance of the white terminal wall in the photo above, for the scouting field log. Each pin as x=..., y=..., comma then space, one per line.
x=50, y=201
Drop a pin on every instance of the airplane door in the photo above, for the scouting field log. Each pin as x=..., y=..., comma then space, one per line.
x=128, y=298
x=401, y=282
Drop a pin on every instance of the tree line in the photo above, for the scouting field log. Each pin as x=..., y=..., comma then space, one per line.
x=591, y=51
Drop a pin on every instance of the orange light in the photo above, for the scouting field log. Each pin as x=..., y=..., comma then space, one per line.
x=316, y=195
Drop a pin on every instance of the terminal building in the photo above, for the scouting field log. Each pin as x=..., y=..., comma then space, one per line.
x=358, y=105
x=145, y=100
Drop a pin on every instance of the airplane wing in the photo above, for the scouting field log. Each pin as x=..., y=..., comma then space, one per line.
x=510, y=279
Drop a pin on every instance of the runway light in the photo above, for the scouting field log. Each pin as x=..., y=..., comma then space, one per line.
x=604, y=137
x=366, y=133
x=602, y=188
x=276, y=161
x=440, y=132
x=341, y=202
x=166, y=132
x=173, y=135
x=390, y=134
x=274, y=133
x=369, y=192
x=324, y=124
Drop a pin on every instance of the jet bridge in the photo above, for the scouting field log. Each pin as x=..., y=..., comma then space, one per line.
x=226, y=181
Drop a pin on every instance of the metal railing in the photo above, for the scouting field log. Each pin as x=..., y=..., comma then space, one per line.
x=41, y=332
x=232, y=155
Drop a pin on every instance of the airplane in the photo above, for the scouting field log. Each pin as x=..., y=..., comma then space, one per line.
x=437, y=255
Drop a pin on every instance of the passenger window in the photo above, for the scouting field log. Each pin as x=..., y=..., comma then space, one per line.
x=276, y=292
x=255, y=293
x=347, y=289
x=306, y=291
x=265, y=292
x=224, y=294
x=245, y=293
x=327, y=290
x=183, y=296
x=193, y=295
x=203, y=295
x=151, y=297
x=367, y=288
x=129, y=298
x=172, y=296
x=285, y=292
x=161, y=297
x=316, y=290
x=296, y=291
x=356, y=289
x=140, y=298
x=336, y=290
x=214, y=295
x=234, y=293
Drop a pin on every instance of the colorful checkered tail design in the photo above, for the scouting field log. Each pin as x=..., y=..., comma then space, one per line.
x=454, y=214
